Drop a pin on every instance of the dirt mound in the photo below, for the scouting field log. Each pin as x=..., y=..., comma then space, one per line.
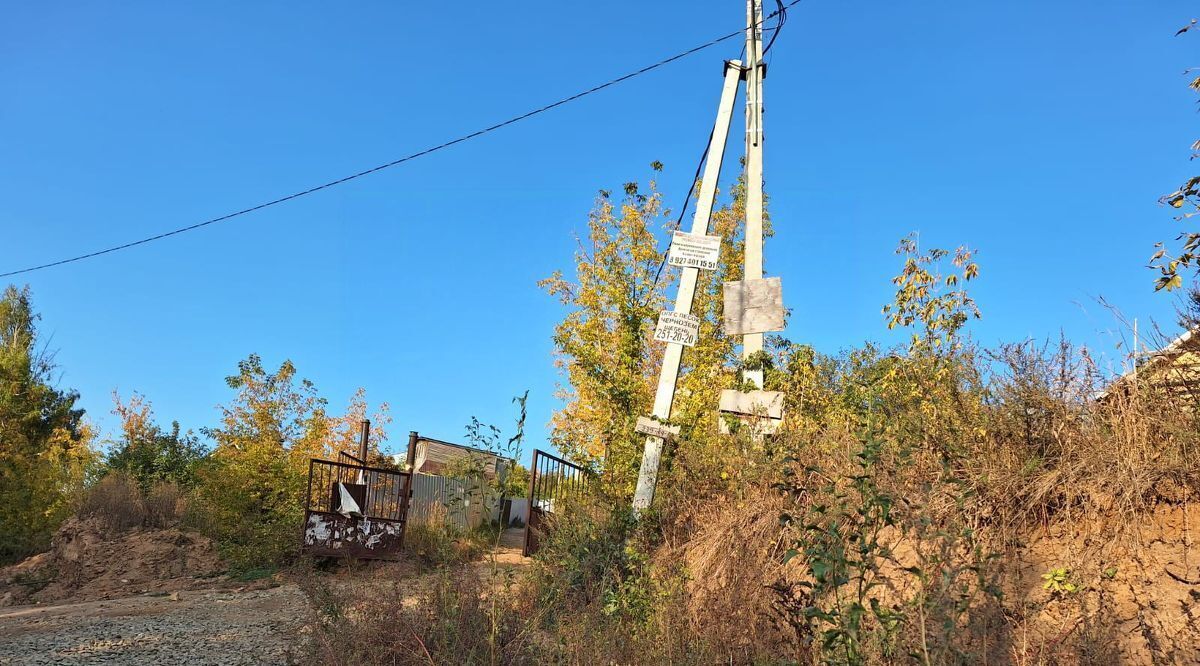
x=88, y=561
x=1133, y=600
x=1129, y=588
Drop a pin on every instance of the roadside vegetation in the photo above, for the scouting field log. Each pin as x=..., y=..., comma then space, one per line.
x=241, y=482
x=889, y=521
x=244, y=487
x=930, y=501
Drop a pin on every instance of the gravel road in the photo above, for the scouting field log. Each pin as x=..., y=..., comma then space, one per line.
x=202, y=627
x=188, y=627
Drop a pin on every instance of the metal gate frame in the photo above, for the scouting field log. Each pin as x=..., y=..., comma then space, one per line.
x=550, y=479
x=385, y=497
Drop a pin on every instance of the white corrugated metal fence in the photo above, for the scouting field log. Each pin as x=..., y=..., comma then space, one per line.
x=464, y=504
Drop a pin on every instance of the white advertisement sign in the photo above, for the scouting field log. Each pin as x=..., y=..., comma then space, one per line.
x=678, y=327
x=694, y=251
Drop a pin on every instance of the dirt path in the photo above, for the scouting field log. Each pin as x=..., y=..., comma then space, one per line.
x=190, y=627
x=205, y=627
x=512, y=543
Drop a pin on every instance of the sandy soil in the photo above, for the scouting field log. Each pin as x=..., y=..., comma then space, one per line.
x=88, y=562
x=247, y=626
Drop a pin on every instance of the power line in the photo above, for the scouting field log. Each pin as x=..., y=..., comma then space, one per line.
x=406, y=158
x=782, y=13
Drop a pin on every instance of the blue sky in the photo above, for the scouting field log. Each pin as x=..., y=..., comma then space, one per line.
x=1039, y=133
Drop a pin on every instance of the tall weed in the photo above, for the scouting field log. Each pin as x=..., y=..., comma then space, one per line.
x=119, y=503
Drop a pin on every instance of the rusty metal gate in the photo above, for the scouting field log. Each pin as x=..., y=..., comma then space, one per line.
x=354, y=510
x=552, y=481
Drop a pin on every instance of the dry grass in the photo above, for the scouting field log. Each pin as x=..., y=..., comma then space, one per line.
x=165, y=504
x=732, y=561
x=454, y=618
x=436, y=542
x=1053, y=453
x=1011, y=472
x=119, y=504
x=115, y=501
x=1019, y=451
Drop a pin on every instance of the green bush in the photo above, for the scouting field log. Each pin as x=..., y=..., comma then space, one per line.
x=588, y=554
x=252, y=486
x=437, y=543
x=156, y=456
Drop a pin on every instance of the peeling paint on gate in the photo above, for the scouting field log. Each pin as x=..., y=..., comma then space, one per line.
x=378, y=533
x=334, y=535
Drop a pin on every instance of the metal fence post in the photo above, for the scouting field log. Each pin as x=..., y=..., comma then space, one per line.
x=412, y=450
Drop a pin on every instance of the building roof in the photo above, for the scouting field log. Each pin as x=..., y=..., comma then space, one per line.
x=1176, y=366
x=433, y=456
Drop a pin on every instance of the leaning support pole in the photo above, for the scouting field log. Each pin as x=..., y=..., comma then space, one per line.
x=665, y=393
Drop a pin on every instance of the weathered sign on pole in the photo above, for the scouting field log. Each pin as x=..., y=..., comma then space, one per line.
x=753, y=306
x=694, y=251
x=768, y=404
x=648, y=426
x=760, y=411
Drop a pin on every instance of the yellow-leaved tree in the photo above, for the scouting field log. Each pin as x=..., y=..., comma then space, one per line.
x=934, y=393
x=254, y=480
x=45, y=445
x=605, y=347
x=346, y=430
x=603, y=344
x=253, y=484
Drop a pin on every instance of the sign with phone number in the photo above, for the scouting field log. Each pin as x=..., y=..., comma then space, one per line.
x=694, y=251
x=678, y=327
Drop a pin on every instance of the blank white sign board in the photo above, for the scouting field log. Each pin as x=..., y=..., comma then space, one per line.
x=754, y=306
x=752, y=403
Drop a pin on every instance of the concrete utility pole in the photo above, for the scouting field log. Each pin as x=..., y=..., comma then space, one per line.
x=664, y=395
x=755, y=73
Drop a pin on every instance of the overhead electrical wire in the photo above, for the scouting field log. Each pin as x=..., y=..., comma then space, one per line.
x=406, y=158
x=781, y=12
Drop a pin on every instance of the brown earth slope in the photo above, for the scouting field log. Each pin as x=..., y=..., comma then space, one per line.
x=1133, y=596
x=86, y=561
